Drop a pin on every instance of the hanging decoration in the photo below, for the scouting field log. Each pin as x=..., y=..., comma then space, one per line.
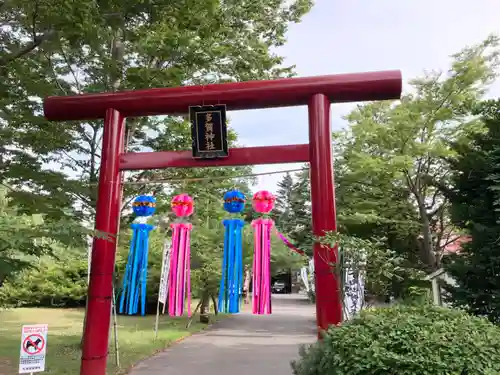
x=179, y=278
x=303, y=271
x=288, y=244
x=136, y=271
x=263, y=202
x=230, y=290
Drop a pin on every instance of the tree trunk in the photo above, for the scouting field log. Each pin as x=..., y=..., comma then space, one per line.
x=427, y=254
x=205, y=308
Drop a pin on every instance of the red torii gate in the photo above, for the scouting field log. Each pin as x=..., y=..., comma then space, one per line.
x=315, y=92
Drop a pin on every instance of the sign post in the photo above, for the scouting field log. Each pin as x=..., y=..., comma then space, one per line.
x=209, y=131
x=33, y=348
x=163, y=289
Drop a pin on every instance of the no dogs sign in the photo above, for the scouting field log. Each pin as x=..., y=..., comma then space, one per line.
x=33, y=348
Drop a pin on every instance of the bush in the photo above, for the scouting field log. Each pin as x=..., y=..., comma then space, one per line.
x=49, y=283
x=406, y=340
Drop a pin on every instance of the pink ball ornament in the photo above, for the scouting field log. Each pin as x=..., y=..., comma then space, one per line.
x=182, y=205
x=263, y=201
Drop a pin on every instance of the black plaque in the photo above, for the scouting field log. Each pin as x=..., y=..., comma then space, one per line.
x=209, y=131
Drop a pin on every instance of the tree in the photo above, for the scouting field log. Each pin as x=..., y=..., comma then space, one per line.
x=27, y=75
x=300, y=205
x=373, y=268
x=475, y=203
x=293, y=209
x=394, y=155
x=109, y=46
x=61, y=48
x=52, y=282
x=25, y=238
x=283, y=210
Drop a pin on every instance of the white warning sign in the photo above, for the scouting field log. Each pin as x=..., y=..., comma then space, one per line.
x=33, y=348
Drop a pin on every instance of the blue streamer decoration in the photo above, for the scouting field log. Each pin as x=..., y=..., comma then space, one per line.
x=133, y=293
x=234, y=201
x=231, y=284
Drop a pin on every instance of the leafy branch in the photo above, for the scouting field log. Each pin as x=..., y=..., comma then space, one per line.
x=371, y=267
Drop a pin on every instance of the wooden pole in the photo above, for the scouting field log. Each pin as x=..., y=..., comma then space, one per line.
x=157, y=318
x=190, y=321
x=115, y=329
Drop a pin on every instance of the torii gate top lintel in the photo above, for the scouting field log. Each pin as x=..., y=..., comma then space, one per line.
x=285, y=92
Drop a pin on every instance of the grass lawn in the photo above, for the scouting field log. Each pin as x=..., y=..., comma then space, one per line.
x=135, y=338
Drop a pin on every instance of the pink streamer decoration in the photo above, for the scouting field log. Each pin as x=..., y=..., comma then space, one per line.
x=180, y=270
x=188, y=274
x=288, y=244
x=173, y=269
x=182, y=205
x=261, y=296
x=263, y=201
x=268, y=263
x=179, y=298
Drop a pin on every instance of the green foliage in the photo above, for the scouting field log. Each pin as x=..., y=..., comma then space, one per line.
x=25, y=238
x=392, y=159
x=49, y=282
x=293, y=212
x=381, y=268
x=64, y=282
x=405, y=340
x=475, y=208
x=64, y=48
x=207, y=249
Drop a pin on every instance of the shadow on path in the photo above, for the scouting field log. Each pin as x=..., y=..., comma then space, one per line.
x=243, y=344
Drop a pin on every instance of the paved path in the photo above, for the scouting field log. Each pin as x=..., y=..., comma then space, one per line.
x=241, y=345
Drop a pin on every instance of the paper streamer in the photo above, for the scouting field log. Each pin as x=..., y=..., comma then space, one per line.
x=230, y=289
x=179, y=282
x=261, y=301
x=136, y=272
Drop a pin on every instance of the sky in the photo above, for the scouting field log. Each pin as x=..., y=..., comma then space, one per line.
x=340, y=36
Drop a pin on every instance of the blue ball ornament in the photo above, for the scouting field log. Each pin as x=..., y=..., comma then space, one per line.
x=234, y=201
x=144, y=205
